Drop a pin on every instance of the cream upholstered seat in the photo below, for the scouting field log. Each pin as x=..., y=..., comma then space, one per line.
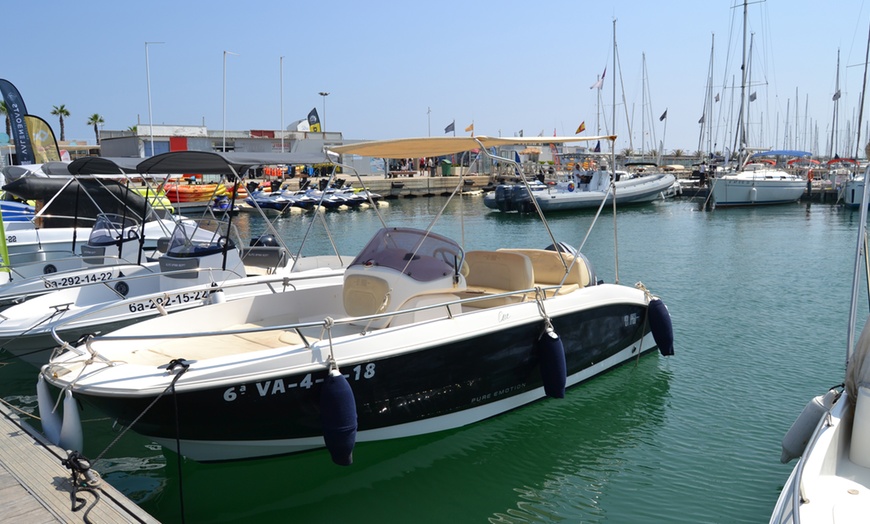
x=496, y=272
x=549, y=269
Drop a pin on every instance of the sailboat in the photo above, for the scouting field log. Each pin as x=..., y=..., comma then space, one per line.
x=752, y=182
x=854, y=186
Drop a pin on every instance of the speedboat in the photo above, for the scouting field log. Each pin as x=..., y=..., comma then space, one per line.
x=831, y=437
x=593, y=188
x=420, y=335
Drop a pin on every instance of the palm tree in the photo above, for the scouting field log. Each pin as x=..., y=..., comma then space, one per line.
x=133, y=129
x=95, y=120
x=60, y=112
x=678, y=153
x=8, y=123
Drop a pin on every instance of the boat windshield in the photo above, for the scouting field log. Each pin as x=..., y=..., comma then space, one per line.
x=198, y=238
x=110, y=228
x=420, y=255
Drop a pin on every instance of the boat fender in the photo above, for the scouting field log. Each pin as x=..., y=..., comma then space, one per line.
x=753, y=195
x=50, y=418
x=661, y=326
x=801, y=430
x=554, y=369
x=859, y=448
x=338, y=417
x=71, y=436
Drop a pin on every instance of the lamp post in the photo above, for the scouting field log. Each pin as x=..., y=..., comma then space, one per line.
x=324, y=94
x=224, y=147
x=148, y=79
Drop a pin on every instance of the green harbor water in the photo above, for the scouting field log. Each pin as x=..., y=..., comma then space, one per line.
x=759, y=302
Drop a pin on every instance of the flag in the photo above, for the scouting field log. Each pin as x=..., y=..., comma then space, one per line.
x=836, y=96
x=702, y=119
x=542, y=133
x=600, y=83
x=717, y=98
x=554, y=131
x=752, y=97
x=470, y=127
x=521, y=132
x=664, y=115
x=581, y=128
x=597, y=147
x=451, y=127
x=16, y=110
x=42, y=138
x=313, y=121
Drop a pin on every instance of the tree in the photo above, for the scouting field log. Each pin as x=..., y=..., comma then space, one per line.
x=96, y=120
x=133, y=129
x=60, y=112
x=8, y=123
x=679, y=152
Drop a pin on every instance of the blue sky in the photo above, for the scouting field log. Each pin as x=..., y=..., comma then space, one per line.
x=507, y=66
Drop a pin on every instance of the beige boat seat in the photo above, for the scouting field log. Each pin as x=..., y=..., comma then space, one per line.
x=549, y=270
x=496, y=272
x=365, y=295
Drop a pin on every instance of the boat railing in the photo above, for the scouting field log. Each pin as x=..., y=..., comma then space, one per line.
x=543, y=292
x=275, y=284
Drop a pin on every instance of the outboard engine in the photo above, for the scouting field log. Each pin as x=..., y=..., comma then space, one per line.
x=503, y=197
x=265, y=240
x=522, y=199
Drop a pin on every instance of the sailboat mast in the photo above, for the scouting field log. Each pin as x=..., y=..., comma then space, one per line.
x=740, y=138
x=861, y=104
x=834, y=147
x=643, y=106
x=613, y=83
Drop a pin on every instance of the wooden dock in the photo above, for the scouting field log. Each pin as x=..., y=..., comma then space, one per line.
x=35, y=487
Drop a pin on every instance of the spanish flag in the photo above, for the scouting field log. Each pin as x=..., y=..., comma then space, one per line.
x=470, y=128
x=581, y=128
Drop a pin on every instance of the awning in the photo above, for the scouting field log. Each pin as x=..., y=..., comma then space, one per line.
x=206, y=162
x=440, y=146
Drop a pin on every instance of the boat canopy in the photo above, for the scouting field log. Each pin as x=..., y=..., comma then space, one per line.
x=212, y=163
x=441, y=146
x=782, y=152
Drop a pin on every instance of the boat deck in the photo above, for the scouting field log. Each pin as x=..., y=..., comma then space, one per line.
x=35, y=487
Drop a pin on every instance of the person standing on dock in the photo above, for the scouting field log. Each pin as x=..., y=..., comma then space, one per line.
x=702, y=174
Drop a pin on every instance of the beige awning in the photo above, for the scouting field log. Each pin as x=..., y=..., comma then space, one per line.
x=440, y=146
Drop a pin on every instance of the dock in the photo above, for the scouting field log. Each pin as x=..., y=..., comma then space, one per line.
x=36, y=488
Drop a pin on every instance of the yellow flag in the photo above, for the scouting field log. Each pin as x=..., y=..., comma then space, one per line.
x=470, y=128
x=581, y=128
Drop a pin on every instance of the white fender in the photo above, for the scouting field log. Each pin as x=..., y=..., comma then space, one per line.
x=859, y=453
x=50, y=418
x=798, y=435
x=71, y=437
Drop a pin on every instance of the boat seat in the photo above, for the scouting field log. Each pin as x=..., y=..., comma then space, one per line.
x=497, y=272
x=218, y=345
x=365, y=295
x=549, y=270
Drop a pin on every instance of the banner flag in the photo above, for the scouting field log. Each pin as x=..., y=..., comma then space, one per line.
x=15, y=111
x=42, y=137
x=451, y=127
x=314, y=121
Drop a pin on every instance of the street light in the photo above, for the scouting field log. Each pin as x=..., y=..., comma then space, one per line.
x=148, y=78
x=224, y=148
x=324, y=94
